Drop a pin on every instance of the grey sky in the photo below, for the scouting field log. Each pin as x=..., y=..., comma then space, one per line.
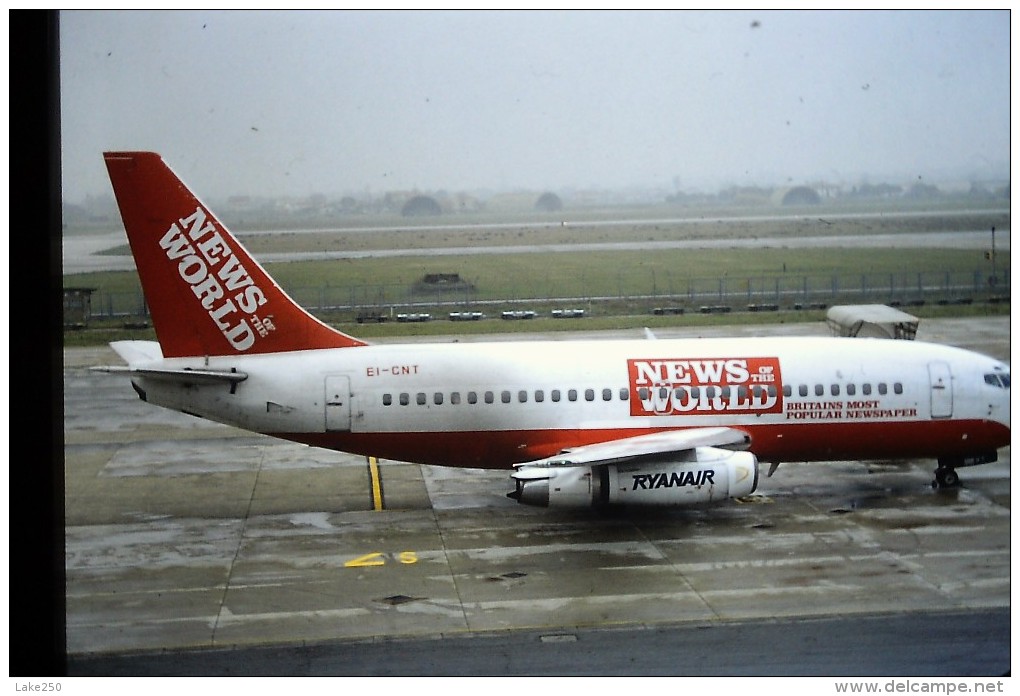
x=293, y=103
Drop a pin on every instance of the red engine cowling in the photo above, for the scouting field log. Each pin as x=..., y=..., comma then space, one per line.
x=706, y=475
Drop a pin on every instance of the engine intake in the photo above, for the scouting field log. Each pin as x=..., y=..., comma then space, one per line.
x=702, y=475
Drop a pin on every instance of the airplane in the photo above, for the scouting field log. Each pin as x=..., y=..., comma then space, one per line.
x=586, y=423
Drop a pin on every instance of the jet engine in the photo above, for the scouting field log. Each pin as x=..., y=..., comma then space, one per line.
x=700, y=475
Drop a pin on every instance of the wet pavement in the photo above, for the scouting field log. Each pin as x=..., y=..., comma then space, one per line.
x=184, y=534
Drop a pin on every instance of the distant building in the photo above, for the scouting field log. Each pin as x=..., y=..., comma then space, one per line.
x=421, y=206
x=799, y=195
x=873, y=321
x=548, y=203
x=77, y=307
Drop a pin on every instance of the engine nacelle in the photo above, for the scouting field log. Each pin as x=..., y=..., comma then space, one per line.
x=704, y=475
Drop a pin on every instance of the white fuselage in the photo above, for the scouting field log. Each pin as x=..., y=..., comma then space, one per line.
x=496, y=404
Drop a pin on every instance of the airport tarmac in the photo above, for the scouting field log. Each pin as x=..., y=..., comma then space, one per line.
x=183, y=534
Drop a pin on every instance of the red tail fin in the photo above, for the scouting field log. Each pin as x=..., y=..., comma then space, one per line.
x=206, y=294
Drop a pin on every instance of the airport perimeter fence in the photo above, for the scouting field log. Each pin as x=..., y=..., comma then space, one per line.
x=661, y=296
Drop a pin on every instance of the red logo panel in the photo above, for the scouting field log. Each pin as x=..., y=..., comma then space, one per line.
x=704, y=386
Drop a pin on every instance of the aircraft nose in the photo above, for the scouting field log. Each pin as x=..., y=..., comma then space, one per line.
x=999, y=409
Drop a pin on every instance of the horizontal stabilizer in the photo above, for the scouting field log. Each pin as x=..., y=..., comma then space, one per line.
x=185, y=375
x=138, y=352
x=145, y=359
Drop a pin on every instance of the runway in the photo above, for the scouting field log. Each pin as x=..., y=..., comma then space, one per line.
x=84, y=254
x=193, y=544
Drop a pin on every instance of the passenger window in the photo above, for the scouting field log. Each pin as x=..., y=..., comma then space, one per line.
x=455, y=398
x=802, y=390
x=489, y=397
x=504, y=396
x=539, y=395
x=643, y=393
x=420, y=398
x=787, y=390
x=438, y=398
x=572, y=395
x=834, y=390
x=710, y=392
x=387, y=399
x=897, y=388
x=695, y=393
x=607, y=394
x=555, y=395
x=819, y=390
x=866, y=389
x=522, y=396
x=772, y=390
x=472, y=398
x=405, y=399
x=882, y=389
x=589, y=394
x=851, y=389
x=624, y=394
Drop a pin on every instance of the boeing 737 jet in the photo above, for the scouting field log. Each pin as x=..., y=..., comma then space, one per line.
x=585, y=423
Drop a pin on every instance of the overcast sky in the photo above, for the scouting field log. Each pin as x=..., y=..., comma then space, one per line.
x=294, y=103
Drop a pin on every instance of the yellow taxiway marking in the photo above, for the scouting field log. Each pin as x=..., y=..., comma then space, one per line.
x=378, y=558
x=369, y=559
x=375, y=482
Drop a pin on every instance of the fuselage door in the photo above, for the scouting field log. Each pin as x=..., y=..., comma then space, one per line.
x=941, y=390
x=338, y=402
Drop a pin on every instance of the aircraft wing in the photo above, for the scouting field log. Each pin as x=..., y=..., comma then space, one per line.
x=649, y=445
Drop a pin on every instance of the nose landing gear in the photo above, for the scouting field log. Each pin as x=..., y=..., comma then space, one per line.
x=945, y=474
x=946, y=477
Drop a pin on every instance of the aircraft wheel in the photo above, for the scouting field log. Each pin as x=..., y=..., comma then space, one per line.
x=946, y=477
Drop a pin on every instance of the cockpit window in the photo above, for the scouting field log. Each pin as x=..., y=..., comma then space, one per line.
x=1000, y=380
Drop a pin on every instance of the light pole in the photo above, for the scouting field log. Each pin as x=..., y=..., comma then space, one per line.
x=995, y=276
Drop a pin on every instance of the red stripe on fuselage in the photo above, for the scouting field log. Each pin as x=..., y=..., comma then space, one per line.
x=772, y=443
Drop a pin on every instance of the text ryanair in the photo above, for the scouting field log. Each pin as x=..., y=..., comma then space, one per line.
x=219, y=280
x=704, y=386
x=704, y=477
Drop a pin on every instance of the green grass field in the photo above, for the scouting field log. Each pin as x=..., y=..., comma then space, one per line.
x=594, y=273
x=674, y=275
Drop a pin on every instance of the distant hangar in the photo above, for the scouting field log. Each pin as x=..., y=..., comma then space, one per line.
x=874, y=321
x=797, y=195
